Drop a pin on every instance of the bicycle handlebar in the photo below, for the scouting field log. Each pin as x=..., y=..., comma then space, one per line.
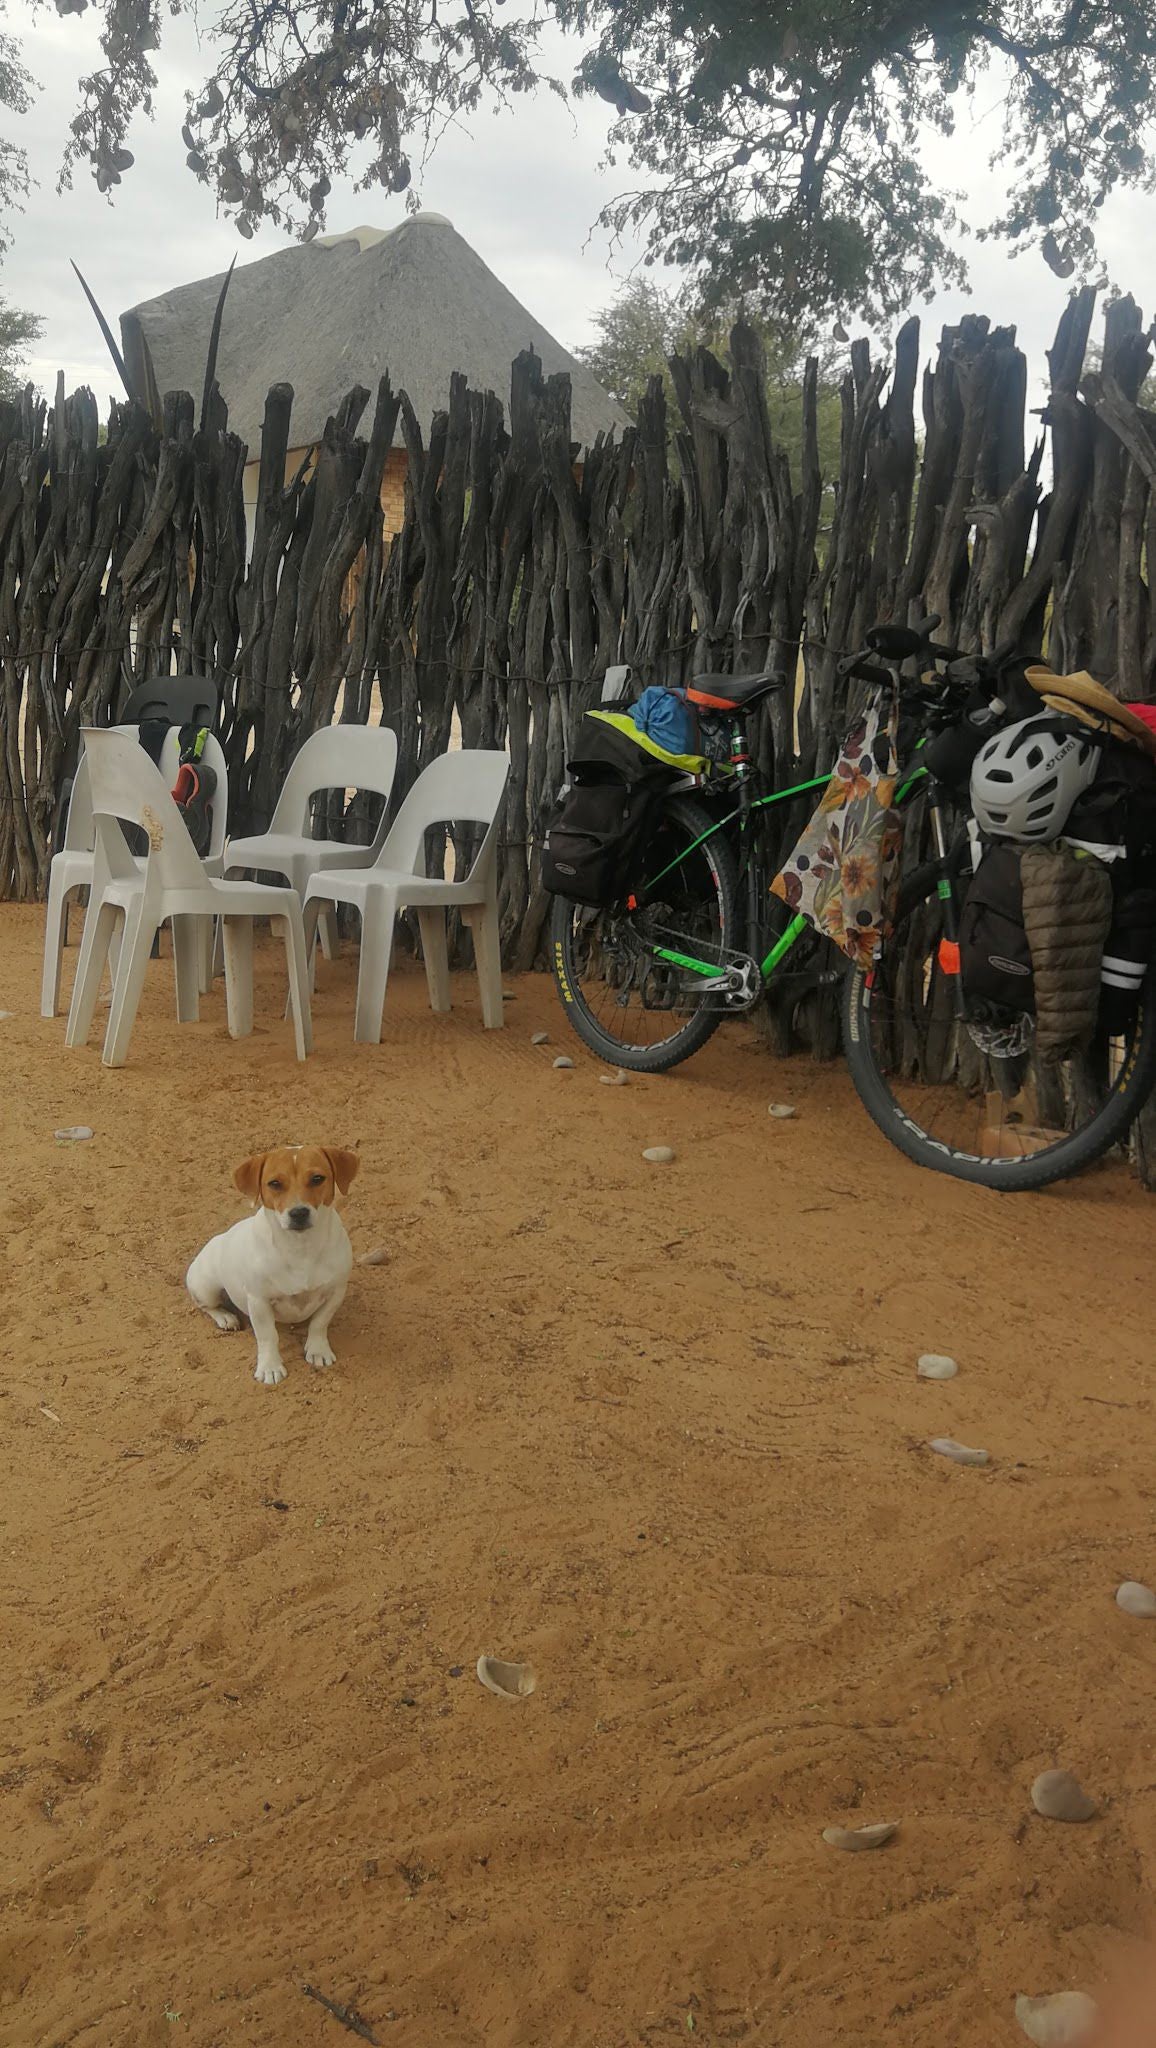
x=864, y=671
x=898, y=643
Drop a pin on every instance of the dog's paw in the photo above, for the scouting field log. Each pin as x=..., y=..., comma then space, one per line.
x=270, y=1372
x=318, y=1352
x=224, y=1319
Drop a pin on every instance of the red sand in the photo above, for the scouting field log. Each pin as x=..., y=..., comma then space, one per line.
x=657, y=1429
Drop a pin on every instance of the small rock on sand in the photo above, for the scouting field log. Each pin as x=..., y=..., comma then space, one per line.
x=782, y=1110
x=562, y=1063
x=1137, y=1599
x=659, y=1155
x=1061, y=2021
x=855, y=1840
x=539, y=1038
x=73, y=1134
x=377, y=1257
x=615, y=1080
x=935, y=1365
x=960, y=1454
x=1059, y=1796
x=5, y=1014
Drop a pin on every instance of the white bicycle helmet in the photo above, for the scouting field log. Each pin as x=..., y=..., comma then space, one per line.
x=1025, y=779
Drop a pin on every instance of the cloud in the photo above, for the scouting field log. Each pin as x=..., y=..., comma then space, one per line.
x=524, y=187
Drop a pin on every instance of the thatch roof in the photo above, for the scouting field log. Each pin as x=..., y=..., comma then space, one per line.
x=416, y=304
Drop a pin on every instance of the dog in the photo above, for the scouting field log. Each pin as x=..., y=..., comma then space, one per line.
x=289, y=1262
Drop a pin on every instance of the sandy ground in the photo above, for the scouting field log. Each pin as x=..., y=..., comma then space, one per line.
x=657, y=1429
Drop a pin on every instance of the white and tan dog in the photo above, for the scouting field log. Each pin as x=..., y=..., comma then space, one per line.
x=288, y=1263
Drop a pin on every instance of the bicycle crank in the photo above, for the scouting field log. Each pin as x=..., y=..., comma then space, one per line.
x=738, y=980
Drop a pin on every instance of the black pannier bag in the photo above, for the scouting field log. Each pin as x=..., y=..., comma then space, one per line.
x=1120, y=807
x=995, y=960
x=1119, y=810
x=600, y=822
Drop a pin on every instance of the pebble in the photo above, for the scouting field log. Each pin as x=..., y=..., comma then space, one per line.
x=1137, y=1599
x=617, y=1079
x=935, y=1365
x=659, y=1155
x=781, y=1109
x=5, y=1014
x=858, y=1839
x=561, y=1063
x=539, y=1038
x=509, y=995
x=960, y=1454
x=1059, y=1796
x=73, y=1134
x=377, y=1257
x=1060, y=2021
x=509, y=1681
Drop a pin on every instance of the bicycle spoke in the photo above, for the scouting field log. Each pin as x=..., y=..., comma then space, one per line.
x=952, y=1083
x=616, y=982
x=631, y=994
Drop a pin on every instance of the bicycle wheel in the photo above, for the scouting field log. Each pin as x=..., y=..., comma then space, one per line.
x=629, y=1008
x=945, y=1100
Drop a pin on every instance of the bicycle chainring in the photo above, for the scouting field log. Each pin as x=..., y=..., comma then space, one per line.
x=737, y=986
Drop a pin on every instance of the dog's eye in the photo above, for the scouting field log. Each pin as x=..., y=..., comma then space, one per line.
x=317, y=1180
x=275, y=1186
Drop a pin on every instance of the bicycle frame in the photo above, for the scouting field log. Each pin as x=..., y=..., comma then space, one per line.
x=744, y=811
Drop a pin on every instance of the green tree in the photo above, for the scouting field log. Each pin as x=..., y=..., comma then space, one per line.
x=18, y=331
x=781, y=143
x=778, y=141
x=635, y=334
x=644, y=325
x=16, y=98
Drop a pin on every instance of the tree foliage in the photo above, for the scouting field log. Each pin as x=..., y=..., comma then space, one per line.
x=645, y=325
x=782, y=142
x=18, y=330
x=302, y=91
x=636, y=334
x=15, y=98
x=778, y=141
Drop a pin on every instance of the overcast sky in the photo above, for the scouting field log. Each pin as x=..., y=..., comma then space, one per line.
x=524, y=187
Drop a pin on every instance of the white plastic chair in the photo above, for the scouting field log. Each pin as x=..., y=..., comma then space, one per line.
x=336, y=757
x=171, y=883
x=465, y=787
x=71, y=868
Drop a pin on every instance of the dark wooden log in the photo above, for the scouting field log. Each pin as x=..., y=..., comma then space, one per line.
x=1070, y=423
x=524, y=567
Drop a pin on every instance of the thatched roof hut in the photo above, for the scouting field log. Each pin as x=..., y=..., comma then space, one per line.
x=417, y=303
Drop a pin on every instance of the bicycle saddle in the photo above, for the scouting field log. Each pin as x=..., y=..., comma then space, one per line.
x=734, y=693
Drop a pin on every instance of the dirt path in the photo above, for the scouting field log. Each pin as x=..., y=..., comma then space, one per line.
x=657, y=1429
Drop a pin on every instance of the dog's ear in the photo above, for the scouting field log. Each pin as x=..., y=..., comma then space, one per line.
x=345, y=1166
x=247, y=1176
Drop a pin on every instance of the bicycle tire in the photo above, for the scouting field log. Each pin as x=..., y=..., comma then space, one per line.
x=691, y=819
x=1069, y=1156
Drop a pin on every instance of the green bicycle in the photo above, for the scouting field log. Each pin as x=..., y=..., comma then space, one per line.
x=646, y=983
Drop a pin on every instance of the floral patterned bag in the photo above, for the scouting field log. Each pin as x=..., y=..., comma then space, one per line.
x=844, y=873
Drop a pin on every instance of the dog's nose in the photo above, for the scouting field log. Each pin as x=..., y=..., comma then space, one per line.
x=300, y=1217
